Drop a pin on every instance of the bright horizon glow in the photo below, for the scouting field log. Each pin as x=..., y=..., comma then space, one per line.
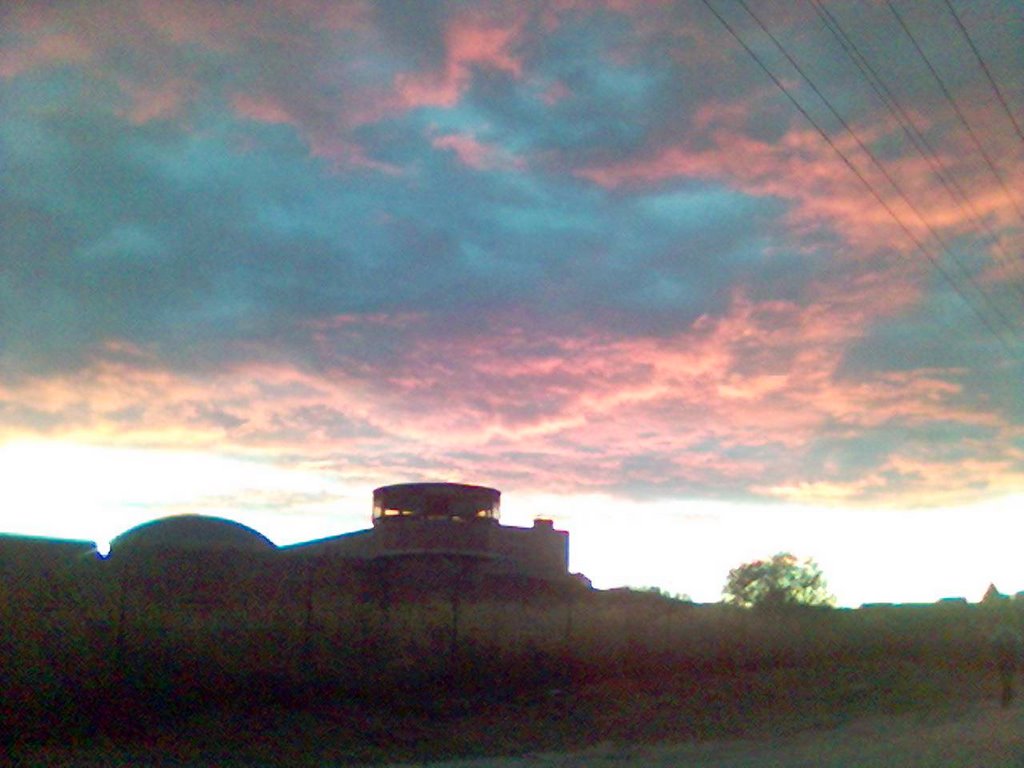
x=102, y=492
x=684, y=547
x=867, y=556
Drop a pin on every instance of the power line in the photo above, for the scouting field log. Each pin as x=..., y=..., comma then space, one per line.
x=956, y=108
x=881, y=168
x=860, y=176
x=917, y=139
x=985, y=69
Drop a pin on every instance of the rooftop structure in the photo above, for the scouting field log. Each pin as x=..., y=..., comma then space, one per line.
x=428, y=523
x=436, y=501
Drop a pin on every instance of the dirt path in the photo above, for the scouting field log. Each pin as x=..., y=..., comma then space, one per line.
x=981, y=736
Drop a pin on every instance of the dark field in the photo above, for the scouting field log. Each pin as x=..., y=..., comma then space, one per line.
x=335, y=680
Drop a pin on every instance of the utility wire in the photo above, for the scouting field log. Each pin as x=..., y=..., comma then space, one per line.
x=956, y=108
x=867, y=151
x=917, y=139
x=860, y=176
x=985, y=69
x=943, y=245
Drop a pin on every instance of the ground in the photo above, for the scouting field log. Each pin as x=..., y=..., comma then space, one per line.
x=975, y=735
x=889, y=712
x=978, y=736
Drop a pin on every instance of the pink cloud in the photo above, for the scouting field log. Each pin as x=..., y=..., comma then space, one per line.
x=263, y=109
x=475, y=154
x=925, y=482
x=734, y=402
x=227, y=26
x=167, y=84
x=474, y=40
x=470, y=41
x=802, y=168
x=163, y=100
x=325, y=141
x=45, y=49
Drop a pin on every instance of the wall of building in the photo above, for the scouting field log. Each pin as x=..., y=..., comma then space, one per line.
x=412, y=536
x=41, y=574
x=539, y=552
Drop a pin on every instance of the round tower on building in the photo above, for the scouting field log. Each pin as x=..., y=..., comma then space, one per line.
x=453, y=502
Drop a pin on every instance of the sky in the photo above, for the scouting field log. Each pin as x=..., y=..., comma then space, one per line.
x=701, y=281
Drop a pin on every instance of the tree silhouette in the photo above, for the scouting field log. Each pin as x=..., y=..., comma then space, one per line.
x=781, y=582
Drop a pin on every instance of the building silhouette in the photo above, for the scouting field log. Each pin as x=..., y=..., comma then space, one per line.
x=433, y=521
x=426, y=540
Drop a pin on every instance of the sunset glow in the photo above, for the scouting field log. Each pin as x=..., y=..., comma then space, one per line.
x=257, y=260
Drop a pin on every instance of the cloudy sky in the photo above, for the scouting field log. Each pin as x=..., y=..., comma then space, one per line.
x=702, y=281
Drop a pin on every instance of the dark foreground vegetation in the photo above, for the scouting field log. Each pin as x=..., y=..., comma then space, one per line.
x=363, y=681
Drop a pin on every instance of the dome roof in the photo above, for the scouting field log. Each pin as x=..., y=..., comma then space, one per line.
x=191, y=532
